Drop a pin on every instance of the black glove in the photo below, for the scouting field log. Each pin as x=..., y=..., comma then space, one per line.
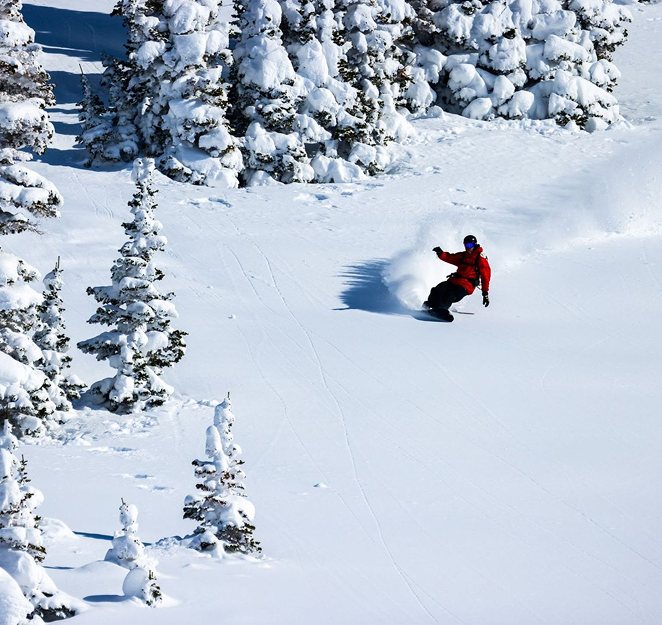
x=486, y=299
x=437, y=250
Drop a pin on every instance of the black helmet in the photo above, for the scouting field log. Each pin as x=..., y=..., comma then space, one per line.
x=470, y=238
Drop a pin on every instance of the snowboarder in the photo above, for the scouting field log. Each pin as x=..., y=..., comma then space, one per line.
x=472, y=270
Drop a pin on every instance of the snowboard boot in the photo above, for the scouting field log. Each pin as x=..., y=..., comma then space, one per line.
x=441, y=313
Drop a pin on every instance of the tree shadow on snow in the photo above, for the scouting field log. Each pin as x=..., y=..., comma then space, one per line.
x=66, y=128
x=84, y=35
x=366, y=290
x=94, y=536
x=73, y=157
x=105, y=598
x=58, y=568
x=67, y=88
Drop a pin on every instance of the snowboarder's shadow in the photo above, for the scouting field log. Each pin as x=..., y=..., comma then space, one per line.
x=366, y=289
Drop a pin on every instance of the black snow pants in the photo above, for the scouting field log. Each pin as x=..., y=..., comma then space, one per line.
x=445, y=294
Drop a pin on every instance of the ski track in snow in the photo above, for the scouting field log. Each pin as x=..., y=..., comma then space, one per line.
x=341, y=413
x=499, y=458
x=508, y=432
x=325, y=475
x=339, y=409
x=323, y=377
x=458, y=493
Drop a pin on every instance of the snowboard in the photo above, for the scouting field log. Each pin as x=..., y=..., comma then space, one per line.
x=438, y=315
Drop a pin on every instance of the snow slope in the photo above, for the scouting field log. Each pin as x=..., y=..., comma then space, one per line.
x=500, y=469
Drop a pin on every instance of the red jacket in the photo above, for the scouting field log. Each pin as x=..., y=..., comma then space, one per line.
x=467, y=263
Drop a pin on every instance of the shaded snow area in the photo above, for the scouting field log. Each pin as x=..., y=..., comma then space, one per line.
x=501, y=469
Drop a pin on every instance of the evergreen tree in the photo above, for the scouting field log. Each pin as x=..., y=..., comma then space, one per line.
x=24, y=95
x=21, y=542
x=170, y=93
x=374, y=66
x=96, y=126
x=300, y=39
x=395, y=19
x=24, y=88
x=311, y=35
x=140, y=343
x=141, y=584
x=128, y=90
x=24, y=127
x=27, y=394
x=537, y=60
x=50, y=337
x=605, y=22
x=358, y=68
x=21, y=191
x=128, y=550
x=224, y=514
x=18, y=524
x=147, y=41
x=268, y=93
x=189, y=96
x=121, y=142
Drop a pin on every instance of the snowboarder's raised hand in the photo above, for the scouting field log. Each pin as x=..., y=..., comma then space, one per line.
x=437, y=250
x=486, y=299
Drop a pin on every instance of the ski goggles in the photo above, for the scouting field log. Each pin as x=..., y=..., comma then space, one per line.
x=469, y=245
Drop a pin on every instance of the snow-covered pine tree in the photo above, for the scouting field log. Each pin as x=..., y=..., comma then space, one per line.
x=24, y=94
x=527, y=59
x=140, y=583
x=18, y=525
x=127, y=87
x=26, y=393
x=605, y=21
x=189, y=95
x=128, y=550
x=224, y=514
x=374, y=66
x=50, y=337
x=357, y=69
x=24, y=87
x=486, y=56
x=570, y=81
x=606, y=25
x=141, y=342
x=15, y=607
x=418, y=65
x=96, y=125
x=121, y=142
x=267, y=96
x=147, y=41
x=23, y=191
x=170, y=94
x=312, y=37
x=314, y=50
x=21, y=542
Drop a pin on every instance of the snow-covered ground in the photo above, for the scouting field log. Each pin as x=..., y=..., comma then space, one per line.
x=500, y=469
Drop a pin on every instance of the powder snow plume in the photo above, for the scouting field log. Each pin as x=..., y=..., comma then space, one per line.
x=411, y=274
